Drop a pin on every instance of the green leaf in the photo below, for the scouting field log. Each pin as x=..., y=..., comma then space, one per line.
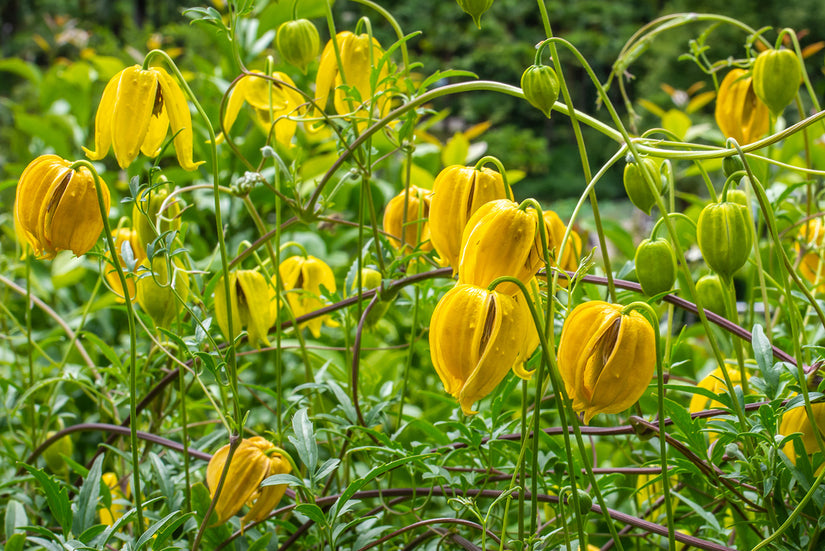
x=304, y=439
x=29, y=71
x=150, y=532
x=168, y=530
x=15, y=542
x=313, y=512
x=763, y=354
x=56, y=498
x=15, y=517
x=87, y=498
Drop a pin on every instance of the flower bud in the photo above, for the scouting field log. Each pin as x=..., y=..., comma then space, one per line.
x=476, y=337
x=724, y=236
x=606, y=357
x=731, y=164
x=796, y=420
x=250, y=298
x=370, y=279
x=459, y=191
x=56, y=208
x=635, y=184
x=739, y=113
x=541, y=87
x=712, y=294
x=776, y=78
x=254, y=460
x=156, y=291
x=655, y=266
x=299, y=42
x=56, y=454
x=475, y=8
x=123, y=238
x=411, y=225
x=147, y=219
x=500, y=239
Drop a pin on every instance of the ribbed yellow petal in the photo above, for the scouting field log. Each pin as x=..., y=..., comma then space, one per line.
x=328, y=69
x=248, y=468
x=254, y=296
x=221, y=314
x=103, y=119
x=32, y=190
x=136, y=96
x=269, y=496
x=75, y=222
x=180, y=120
x=155, y=135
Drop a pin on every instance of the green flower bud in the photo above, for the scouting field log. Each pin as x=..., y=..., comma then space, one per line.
x=541, y=87
x=475, y=8
x=655, y=266
x=155, y=293
x=636, y=186
x=711, y=294
x=299, y=42
x=776, y=78
x=56, y=453
x=724, y=236
x=370, y=279
x=732, y=164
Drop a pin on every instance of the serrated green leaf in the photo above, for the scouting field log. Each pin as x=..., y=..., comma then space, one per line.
x=57, y=498
x=87, y=498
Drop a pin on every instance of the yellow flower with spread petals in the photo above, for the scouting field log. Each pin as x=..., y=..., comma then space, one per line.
x=254, y=460
x=302, y=279
x=136, y=110
x=476, y=337
x=358, y=57
x=285, y=104
x=251, y=297
x=56, y=208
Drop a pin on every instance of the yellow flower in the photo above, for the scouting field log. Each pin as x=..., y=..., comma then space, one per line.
x=302, y=278
x=459, y=191
x=739, y=113
x=476, y=337
x=156, y=292
x=357, y=62
x=251, y=297
x=108, y=515
x=254, y=460
x=56, y=208
x=811, y=267
x=416, y=232
x=136, y=110
x=606, y=357
x=256, y=91
x=796, y=420
x=123, y=236
x=500, y=239
x=569, y=261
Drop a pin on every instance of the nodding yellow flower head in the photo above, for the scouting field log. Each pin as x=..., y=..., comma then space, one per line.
x=500, y=239
x=796, y=420
x=569, y=261
x=302, y=279
x=413, y=229
x=476, y=337
x=284, y=105
x=459, y=191
x=353, y=75
x=109, y=515
x=251, y=298
x=135, y=113
x=810, y=239
x=739, y=113
x=714, y=382
x=254, y=460
x=606, y=357
x=124, y=237
x=56, y=208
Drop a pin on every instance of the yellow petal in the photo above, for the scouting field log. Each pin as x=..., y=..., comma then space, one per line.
x=248, y=468
x=328, y=69
x=103, y=119
x=221, y=314
x=254, y=297
x=136, y=95
x=158, y=128
x=180, y=120
x=236, y=99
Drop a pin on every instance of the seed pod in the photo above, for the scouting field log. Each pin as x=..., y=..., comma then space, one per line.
x=299, y=42
x=541, y=87
x=155, y=294
x=711, y=294
x=475, y=8
x=739, y=113
x=724, y=237
x=146, y=211
x=655, y=266
x=636, y=186
x=776, y=77
x=606, y=358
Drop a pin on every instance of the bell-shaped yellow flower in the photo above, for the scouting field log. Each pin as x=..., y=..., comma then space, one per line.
x=569, y=261
x=285, y=104
x=811, y=236
x=302, y=279
x=358, y=56
x=254, y=460
x=123, y=236
x=409, y=224
x=251, y=297
x=109, y=515
x=136, y=110
x=500, y=239
x=606, y=357
x=796, y=420
x=476, y=337
x=56, y=208
x=739, y=113
x=459, y=191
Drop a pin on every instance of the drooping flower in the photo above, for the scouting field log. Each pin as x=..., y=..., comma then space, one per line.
x=109, y=515
x=135, y=113
x=606, y=357
x=302, y=279
x=56, y=208
x=251, y=297
x=359, y=55
x=124, y=237
x=476, y=337
x=254, y=460
x=280, y=110
x=796, y=420
x=500, y=239
x=414, y=228
x=714, y=382
x=569, y=260
x=459, y=191
x=811, y=235
x=739, y=113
